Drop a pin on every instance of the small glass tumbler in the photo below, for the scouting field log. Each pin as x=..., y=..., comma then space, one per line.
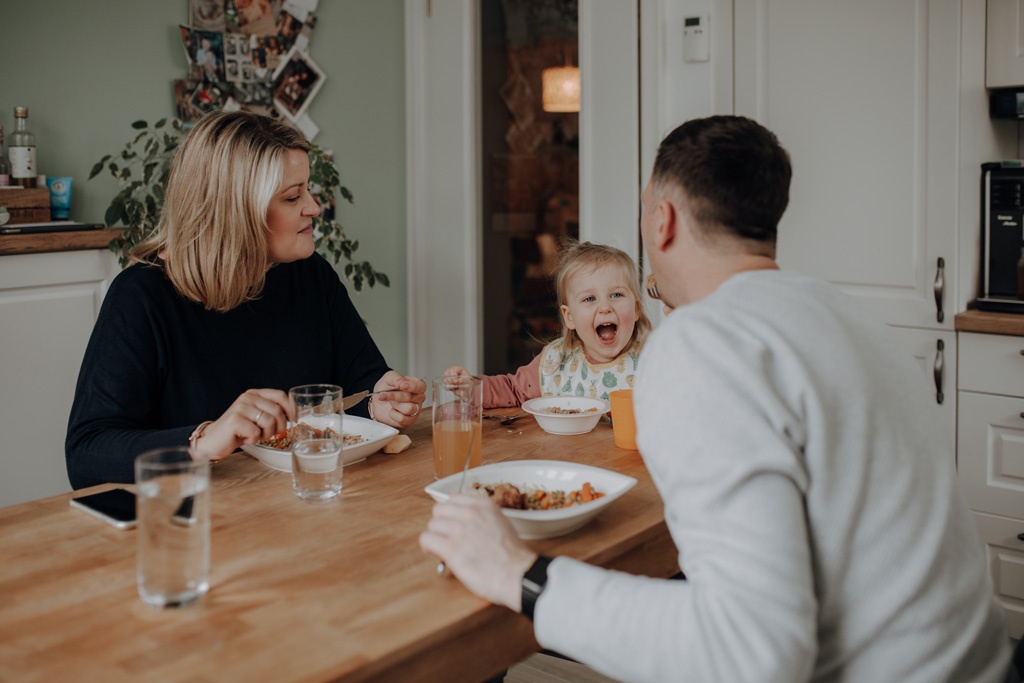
x=318, y=405
x=316, y=469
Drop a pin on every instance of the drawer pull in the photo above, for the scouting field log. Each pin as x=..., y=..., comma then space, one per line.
x=940, y=285
x=1020, y=536
x=940, y=364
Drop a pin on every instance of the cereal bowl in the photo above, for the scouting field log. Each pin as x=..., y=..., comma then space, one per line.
x=547, y=475
x=566, y=414
x=374, y=436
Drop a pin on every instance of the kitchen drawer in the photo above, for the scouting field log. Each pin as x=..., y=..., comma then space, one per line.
x=1004, y=556
x=990, y=453
x=991, y=363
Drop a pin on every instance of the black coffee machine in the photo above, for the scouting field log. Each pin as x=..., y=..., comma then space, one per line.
x=1002, y=236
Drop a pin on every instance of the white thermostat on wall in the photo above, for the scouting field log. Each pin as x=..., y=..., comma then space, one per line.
x=695, y=39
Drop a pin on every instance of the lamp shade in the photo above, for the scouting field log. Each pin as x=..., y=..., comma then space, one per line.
x=560, y=89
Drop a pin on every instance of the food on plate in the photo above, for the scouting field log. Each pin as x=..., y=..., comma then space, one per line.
x=282, y=441
x=509, y=496
x=555, y=410
x=398, y=444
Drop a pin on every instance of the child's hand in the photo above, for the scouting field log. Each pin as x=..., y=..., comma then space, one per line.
x=456, y=371
x=459, y=381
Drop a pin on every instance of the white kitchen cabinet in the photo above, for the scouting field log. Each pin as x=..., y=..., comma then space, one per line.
x=1004, y=49
x=935, y=354
x=865, y=97
x=990, y=457
x=48, y=304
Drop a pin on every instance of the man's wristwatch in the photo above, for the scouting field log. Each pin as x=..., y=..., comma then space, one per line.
x=534, y=580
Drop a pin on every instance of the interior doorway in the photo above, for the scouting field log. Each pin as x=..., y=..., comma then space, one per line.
x=529, y=166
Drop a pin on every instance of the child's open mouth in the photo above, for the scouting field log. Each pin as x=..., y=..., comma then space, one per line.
x=606, y=333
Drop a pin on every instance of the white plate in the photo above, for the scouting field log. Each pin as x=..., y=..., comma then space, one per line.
x=374, y=434
x=578, y=423
x=547, y=474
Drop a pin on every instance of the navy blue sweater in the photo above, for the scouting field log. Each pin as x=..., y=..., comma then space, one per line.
x=158, y=364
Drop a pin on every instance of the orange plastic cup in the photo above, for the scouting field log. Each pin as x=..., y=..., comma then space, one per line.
x=623, y=423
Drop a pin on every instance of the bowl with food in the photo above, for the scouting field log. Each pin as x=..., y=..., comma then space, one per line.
x=566, y=414
x=361, y=438
x=541, y=498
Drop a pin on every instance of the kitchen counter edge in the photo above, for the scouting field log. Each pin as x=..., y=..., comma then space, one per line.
x=76, y=240
x=990, y=322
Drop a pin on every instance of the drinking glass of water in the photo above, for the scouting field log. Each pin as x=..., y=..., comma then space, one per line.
x=173, y=559
x=316, y=469
x=317, y=442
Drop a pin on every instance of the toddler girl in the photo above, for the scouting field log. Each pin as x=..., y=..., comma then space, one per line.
x=604, y=326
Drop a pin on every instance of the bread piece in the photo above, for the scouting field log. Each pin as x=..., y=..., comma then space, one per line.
x=398, y=444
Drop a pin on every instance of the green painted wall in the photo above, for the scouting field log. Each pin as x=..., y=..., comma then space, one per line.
x=86, y=70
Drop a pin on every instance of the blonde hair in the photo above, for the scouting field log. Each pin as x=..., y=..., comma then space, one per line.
x=212, y=233
x=577, y=257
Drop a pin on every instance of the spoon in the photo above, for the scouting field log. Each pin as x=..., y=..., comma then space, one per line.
x=506, y=419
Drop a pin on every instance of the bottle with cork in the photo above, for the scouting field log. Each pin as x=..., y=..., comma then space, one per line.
x=5, y=166
x=22, y=151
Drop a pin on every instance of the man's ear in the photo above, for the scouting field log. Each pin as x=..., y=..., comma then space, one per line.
x=567, y=316
x=666, y=224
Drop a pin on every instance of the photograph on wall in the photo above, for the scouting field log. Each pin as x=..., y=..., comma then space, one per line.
x=209, y=96
x=255, y=92
x=208, y=15
x=296, y=83
x=297, y=7
x=238, y=58
x=183, y=92
x=267, y=52
x=252, y=17
x=205, y=50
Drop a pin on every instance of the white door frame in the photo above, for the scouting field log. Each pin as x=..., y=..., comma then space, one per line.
x=443, y=163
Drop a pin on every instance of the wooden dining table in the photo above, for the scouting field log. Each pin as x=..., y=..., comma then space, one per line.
x=300, y=592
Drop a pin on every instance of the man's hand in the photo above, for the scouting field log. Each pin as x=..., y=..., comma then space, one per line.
x=480, y=547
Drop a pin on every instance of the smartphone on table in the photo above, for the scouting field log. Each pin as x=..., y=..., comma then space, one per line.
x=115, y=507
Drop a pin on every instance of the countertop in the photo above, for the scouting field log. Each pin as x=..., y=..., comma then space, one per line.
x=990, y=322
x=57, y=241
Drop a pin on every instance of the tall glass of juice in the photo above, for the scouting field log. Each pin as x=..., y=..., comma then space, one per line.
x=457, y=423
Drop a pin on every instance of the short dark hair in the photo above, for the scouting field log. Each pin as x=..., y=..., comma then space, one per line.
x=733, y=171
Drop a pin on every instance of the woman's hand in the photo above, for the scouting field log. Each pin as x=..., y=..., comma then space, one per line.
x=401, y=402
x=480, y=547
x=256, y=414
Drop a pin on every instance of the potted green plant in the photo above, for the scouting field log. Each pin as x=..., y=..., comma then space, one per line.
x=141, y=170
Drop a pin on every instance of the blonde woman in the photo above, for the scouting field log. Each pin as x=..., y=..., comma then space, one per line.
x=222, y=310
x=604, y=326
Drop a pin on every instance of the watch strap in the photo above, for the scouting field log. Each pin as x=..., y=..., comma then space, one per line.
x=533, y=583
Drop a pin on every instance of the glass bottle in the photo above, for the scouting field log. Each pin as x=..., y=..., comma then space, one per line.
x=5, y=166
x=22, y=151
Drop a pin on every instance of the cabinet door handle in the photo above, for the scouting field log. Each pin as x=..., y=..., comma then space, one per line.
x=940, y=285
x=938, y=369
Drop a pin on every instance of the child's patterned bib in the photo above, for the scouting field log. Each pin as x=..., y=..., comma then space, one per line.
x=572, y=374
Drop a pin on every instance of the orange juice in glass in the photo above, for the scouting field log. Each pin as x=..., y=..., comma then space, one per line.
x=457, y=416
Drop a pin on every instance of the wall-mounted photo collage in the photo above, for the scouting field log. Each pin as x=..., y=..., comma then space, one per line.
x=253, y=55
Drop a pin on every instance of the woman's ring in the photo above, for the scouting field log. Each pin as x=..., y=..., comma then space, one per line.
x=417, y=410
x=257, y=420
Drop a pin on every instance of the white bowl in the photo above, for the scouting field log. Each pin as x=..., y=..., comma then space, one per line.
x=578, y=423
x=375, y=436
x=547, y=474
